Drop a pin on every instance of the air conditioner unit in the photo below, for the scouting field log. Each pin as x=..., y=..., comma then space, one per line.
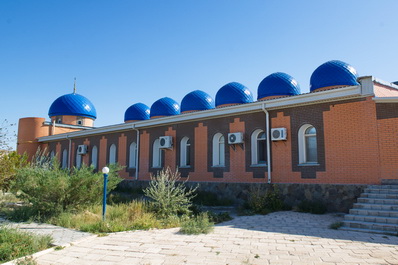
x=166, y=141
x=82, y=149
x=235, y=138
x=278, y=134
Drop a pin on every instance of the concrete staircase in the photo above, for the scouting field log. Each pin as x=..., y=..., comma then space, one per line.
x=376, y=210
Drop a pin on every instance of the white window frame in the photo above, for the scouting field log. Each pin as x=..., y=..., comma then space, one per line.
x=254, y=147
x=112, y=154
x=65, y=158
x=94, y=157
x=302, y=141
x=184, y=149
x=79, y=121
x=218, y=150
x=133, y=155
x=157, y=154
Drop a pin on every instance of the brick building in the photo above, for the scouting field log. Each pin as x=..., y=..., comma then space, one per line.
x=345, y=131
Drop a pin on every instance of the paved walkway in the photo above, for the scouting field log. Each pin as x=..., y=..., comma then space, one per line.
x=61, y=236
x=277, y=238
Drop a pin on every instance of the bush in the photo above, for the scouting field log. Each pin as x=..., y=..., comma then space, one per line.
x=10, y=162
x=219, y=217
x=197, y=225
x=314, y=207
x=15, y=244
x=170, y=197
x=50, y=190
x=261, y=202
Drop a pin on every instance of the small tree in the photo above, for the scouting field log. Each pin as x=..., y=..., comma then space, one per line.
x=10, y=162
x=170, y=197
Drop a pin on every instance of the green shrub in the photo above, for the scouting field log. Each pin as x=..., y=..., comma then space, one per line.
x=264, y=202
x=314, y=207
x=169, y=196
x=50, y=190
x=10, y=162
x=197, y=225
x=15, y=244
x=219, y=217
x=336, y=225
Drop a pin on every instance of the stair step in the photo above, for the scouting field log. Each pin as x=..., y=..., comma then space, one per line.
x=379, y=195
x=378, y=201
x=391, y=228
x=390, y=186
x=345, y=228
x=371, y=212
x=372, y=219
x=381, y=190
x=389, y=182
x=373, y=206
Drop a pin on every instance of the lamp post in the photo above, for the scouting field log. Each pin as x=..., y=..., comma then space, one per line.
x=105, y=170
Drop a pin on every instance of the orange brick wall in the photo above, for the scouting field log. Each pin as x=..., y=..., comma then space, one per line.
x=201, y=151
x=144, y=159
x=237, y=172
x=351, y=144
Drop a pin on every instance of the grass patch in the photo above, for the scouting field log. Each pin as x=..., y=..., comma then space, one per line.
x=15, y=244
x=336, y=225
x=119, y=217
x=197, y=225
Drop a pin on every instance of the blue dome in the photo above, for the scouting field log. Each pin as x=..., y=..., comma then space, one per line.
x=278, y=84
x=73, y=105
x=197, y=100
x=333, y=73
x=137, y=112
x=165, y=107
x=233, y=93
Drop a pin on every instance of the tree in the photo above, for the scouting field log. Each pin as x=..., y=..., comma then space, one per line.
x=7, y=136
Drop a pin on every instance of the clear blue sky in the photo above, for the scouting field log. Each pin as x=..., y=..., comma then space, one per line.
x=124, y=52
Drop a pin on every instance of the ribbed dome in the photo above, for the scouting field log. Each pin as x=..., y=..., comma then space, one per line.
x=333, y=73
x=233, y=93
x=137, y=112
x=197, y=100
x=278, y=84
x=73, y=105
x=165, y=107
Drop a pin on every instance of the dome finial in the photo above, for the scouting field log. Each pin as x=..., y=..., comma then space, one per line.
x=74, y=87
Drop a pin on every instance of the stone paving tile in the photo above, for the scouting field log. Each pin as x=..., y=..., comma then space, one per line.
x=277, y=238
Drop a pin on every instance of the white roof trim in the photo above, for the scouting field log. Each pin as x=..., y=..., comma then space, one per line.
x=386, y=100
x=278, y=103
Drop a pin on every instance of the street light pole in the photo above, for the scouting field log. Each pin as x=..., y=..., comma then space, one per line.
x=105, y=170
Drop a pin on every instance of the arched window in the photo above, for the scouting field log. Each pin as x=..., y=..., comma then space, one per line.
x=259, y=147
x=52, y=154
x=308, y=152
x=112, y=154
x=133, y=155
x=185, y=152
x=218, y=150
x=94, y=157
x=78, y=159
x=64, y=158
x=157, y=154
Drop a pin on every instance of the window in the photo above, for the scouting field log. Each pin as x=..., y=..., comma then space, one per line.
x=185, y=152
x=133, y=155
x=94, y=156
x=58, y=119
x=259, y=147
x=112, y=154
x=157, y=155
x=65, y=159
x=79, y=121
x=52, y=154
x=218, y=150
x=308, y=152
x=78, y=159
